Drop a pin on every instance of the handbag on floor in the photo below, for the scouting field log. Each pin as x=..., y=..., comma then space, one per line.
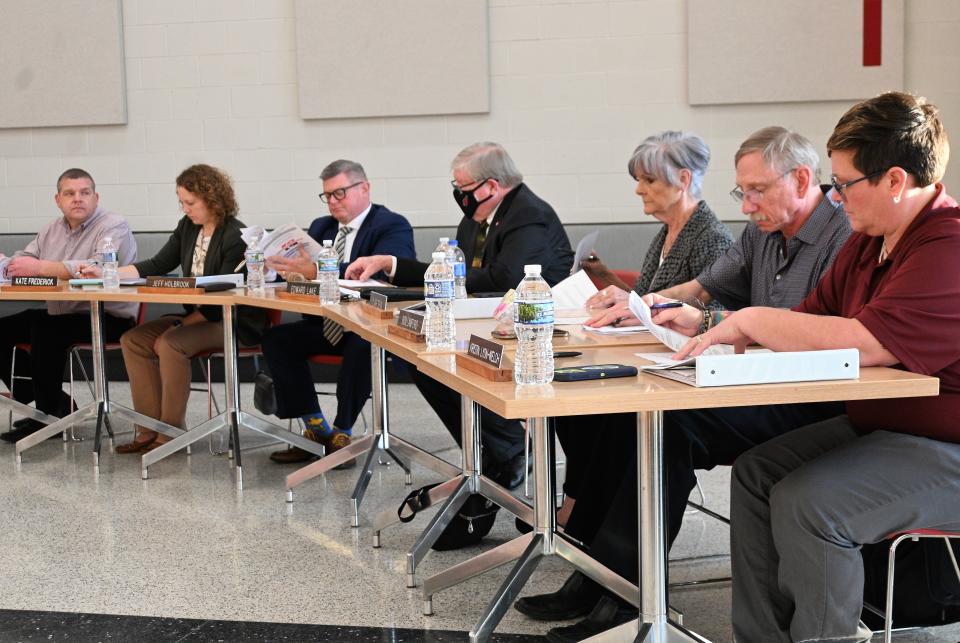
x=264, y=396
x=474, y=520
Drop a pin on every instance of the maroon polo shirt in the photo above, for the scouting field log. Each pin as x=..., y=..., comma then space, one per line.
x=911, y=304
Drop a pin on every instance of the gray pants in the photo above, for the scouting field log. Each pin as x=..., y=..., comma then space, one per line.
x=801, y=506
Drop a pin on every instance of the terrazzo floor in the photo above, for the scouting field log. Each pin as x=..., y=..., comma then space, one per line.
x=184, y=556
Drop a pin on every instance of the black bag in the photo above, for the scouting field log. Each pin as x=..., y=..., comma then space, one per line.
x=474, y=520
x=264, y=397
x=926, y=591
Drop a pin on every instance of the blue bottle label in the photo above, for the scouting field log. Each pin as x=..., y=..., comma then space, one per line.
x=460, y=269
x=438, y=289
x=536, y=313
x=328, y=264
x=108, y=257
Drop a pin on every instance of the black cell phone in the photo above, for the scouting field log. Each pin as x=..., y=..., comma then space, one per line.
x=593, y=372
x=560, y=354
x=218, y=286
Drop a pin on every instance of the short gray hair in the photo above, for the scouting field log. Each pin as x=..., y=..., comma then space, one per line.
x=342, y=166
x=488, y=161
x=663, y=155
x=781, y=149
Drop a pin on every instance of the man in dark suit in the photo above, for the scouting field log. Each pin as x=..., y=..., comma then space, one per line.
x=505, y=227
x=357, y=228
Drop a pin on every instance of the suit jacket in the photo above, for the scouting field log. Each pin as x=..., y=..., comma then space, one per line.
x=383, y=232
x=702, y=239
x=525, y=230
x=225, y=251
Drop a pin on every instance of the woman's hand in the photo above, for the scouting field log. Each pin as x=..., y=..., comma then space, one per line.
x=90, y=271
x=607, y=297
x=617, y=315
x=301, y=263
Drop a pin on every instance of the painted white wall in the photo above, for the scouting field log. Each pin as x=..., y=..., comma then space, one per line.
x=575, y=86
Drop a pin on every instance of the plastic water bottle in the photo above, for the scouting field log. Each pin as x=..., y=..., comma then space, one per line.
x=438, y=293
x=456, y=258
x=254, y=259
x=108, y=262
x=533, y=322
x=328, y=271
x=443, y=246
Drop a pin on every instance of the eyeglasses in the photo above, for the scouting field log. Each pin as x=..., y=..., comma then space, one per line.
x=839, y=188
x=755, y=195
x=337, y=194
x=457, y=186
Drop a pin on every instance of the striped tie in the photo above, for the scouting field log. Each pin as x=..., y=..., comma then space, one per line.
x=331, y=329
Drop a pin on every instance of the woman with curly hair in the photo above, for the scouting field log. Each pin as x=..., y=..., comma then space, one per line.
x=158, y=353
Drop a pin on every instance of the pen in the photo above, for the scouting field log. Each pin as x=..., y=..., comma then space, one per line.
x=240, y=265
x=666, y=304
x=89, y=263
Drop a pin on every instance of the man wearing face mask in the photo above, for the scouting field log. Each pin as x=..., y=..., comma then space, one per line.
x=505, y=226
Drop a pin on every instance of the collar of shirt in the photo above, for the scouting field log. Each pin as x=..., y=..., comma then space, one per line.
x=86, y=224
x=357, y=221
x=814, y=227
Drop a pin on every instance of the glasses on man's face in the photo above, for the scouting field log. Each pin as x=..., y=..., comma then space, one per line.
x=840, y=188
x=755, y=194
x=337, y=194
x=464, y=188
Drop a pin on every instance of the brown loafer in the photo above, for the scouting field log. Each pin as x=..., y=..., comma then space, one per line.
x=133, y=447
x=334, y=443
x=292, y=455
x=153, y=445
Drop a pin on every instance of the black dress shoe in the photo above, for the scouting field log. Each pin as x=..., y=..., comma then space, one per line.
x=608, y=613
x=27, y=427
x=507, y=474
x=576, y=597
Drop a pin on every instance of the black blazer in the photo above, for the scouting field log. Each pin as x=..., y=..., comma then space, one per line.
x=525, y=230
x=225, y=252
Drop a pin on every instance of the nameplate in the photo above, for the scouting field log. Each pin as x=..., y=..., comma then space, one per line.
x=409, y=335
x=485, y=350
x=303, y=288
x=378, y=300
x=375, y=312
x=411, y=320
x=178, y=283
x=35, y=282
x=488, y=372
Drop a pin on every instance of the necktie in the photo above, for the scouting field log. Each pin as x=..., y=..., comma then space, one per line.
x=331, y=329
x=478, y=245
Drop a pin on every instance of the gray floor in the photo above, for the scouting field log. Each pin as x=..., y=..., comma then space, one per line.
x=186, y=544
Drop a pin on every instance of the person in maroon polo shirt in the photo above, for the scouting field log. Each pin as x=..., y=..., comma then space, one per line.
x=803, y=503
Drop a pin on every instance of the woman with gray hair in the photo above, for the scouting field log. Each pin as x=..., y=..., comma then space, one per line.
x=668, y=168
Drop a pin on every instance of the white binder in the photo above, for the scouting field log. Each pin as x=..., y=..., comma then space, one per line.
x=475, y=307
x=766, y=368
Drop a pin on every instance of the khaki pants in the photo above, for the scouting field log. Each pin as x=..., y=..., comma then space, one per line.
x=157, y=355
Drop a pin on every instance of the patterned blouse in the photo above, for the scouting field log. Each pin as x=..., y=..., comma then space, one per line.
x=700, y=242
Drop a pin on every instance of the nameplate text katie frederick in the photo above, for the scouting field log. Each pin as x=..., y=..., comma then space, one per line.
x=34, y=281
x=485, y=351
x=378, y=300
x=171, y=282
x=303, y=288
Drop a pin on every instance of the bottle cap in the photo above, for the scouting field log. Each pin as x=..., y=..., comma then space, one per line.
x=439, y=256
x=453, y=243
x=532, y=269
x=328, y=243
x=444, y=239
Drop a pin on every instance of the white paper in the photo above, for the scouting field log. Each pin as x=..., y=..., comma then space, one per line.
x=670, y=338
x=573, y=292
x=233, y=278
x=662, y=360
x=616, y=330
x=356, y=283
x=584, y=249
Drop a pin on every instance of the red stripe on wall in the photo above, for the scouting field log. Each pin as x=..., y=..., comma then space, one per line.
x=872, y=28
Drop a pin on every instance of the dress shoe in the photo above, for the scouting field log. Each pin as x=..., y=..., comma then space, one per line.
x=507, y=474
x=336, y=441
x=576, y=597
x=608, y=613
x=28, y=426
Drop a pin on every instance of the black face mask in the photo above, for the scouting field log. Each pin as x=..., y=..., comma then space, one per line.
x=467, y=202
